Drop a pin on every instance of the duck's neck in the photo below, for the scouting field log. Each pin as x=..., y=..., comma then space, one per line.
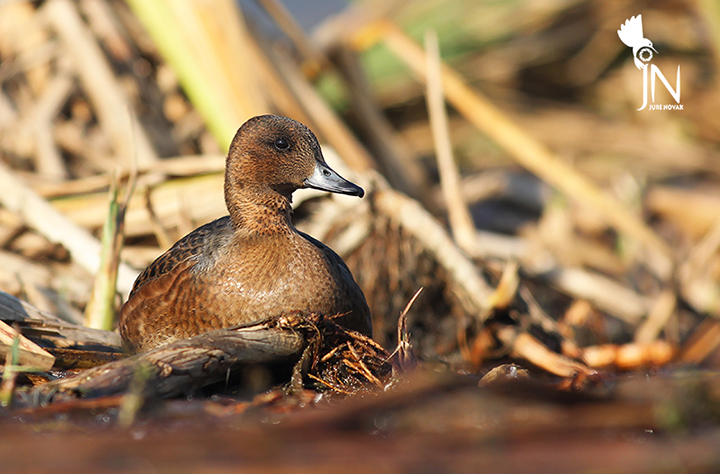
x=259, y=210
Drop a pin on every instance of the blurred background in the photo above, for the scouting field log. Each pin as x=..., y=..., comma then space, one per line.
x=534, y=163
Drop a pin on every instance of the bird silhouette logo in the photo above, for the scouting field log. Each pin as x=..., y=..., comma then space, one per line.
x=631, y=33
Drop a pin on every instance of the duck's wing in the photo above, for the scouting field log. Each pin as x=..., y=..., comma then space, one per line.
x=192, y=246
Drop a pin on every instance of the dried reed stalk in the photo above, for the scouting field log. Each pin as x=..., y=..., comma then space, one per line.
x=527, y=151
x=30, y=355
x=113, y=108
x=326, y=122
x=207, y=46
x=461, y=223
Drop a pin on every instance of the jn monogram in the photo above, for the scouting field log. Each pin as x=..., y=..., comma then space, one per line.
x=631, y=33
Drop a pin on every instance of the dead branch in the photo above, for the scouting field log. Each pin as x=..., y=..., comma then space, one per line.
x=340, y=359
x=185, y=365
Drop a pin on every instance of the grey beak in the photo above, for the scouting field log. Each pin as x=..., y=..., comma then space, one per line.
x=325, y=179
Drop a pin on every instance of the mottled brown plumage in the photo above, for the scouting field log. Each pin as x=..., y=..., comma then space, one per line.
x=253, y=263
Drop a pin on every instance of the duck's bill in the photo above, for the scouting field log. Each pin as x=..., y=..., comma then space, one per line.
x=325, y=179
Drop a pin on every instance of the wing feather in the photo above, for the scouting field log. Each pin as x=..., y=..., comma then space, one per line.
x=189, y=247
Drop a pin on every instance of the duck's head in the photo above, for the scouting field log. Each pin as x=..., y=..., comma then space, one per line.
x=282, y=154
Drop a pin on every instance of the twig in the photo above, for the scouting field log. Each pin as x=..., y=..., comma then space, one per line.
x=549, y=325
x=703, y=341
x=405, y=358
x=526, y=346
x=658, y=317
x=393, y=156
x=49, y=160
x=507, y=287
x=701, y=254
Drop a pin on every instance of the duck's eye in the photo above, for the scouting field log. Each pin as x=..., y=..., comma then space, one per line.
x=281, y=143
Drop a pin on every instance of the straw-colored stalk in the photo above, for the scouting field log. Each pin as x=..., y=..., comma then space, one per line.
x=207, y=46
x=461, y=223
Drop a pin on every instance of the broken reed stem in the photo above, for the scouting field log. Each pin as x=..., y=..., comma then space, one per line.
x=507, y=287
x=100, y=311
x=526, y=346
x=701, y=254
x=17, y=350
x=392, y=155
x=697, y=286
x=526, y=150
x=51, y=331
x=7, y=383
x=703, y=341
x=461, y=223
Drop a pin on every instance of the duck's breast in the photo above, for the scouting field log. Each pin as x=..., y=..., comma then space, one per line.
x=283, y=274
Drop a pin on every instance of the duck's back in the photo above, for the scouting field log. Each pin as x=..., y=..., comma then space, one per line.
x=216, y=277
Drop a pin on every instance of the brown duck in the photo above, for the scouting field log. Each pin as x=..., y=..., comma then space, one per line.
x=253, y=263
